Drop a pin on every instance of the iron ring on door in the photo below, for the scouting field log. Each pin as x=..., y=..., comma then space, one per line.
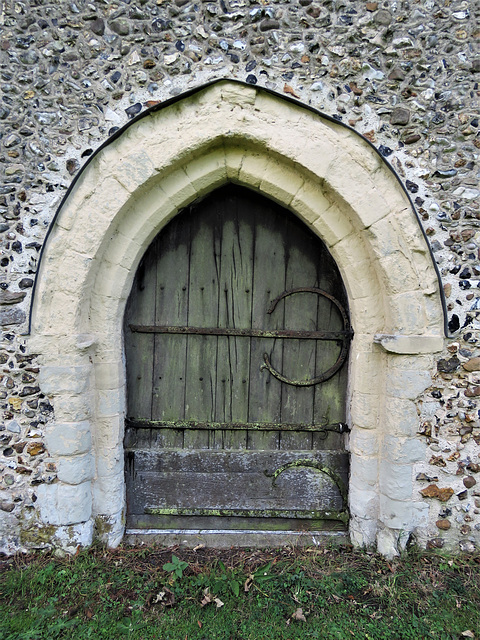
x=345, y=336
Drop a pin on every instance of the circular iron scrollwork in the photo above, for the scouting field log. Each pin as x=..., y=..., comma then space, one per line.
x=343, y=336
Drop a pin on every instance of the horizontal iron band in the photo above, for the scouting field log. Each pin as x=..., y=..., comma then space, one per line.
x=250, y=513
x=258, y=533
x=336, y=427
x=245, y=333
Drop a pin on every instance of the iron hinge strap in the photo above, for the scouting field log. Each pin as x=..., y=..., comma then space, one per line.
x=244, y=333
x=335, y=427
x=303, y=514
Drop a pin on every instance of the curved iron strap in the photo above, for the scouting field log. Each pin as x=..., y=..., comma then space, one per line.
x=317, y=466
x=347, y=331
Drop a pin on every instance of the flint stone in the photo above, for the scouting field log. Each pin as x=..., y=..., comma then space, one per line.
x=29, y=57
x=11, y=140
x=383, y=17
x=445, y=173
x=13, y=426
x=98, y=27
x=469, y=482
x=6, y=502
x=412, y=139
x=120, y=27
x=472, y=365
x=11, y=316
x=466, y=546
x=11, y=297
x=472, y=392
x=435, y=543
x=266, y=25
x=400, y=116
x=442, y=494
x=396, y=74
x=448, y=366
x=35, y=448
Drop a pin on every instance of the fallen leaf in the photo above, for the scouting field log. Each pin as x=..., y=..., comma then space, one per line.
x=248, y=583
x=288, y=89
x=199, y=624
x=199, y=546
x=165, y=597
x=218, y=602
x=298, y=615
x=468, y=634
x=207, y=597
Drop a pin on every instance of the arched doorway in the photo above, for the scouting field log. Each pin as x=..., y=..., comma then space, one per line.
x=236, y=337
x=329, y=178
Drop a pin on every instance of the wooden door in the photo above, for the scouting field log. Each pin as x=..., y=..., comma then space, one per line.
x=236, y=332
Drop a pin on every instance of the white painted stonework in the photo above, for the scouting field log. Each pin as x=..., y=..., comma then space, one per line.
x=330, y=178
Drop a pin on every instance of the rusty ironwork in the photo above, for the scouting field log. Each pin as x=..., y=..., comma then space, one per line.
x=347, y=335
x=243, y=333
x=316, y=465
x=343, y=336
x=300, y=514
x=322, y=428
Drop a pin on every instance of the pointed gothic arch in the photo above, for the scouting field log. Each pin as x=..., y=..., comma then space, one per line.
x=331, y=179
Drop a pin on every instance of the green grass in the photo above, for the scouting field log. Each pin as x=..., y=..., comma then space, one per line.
x=285, y=593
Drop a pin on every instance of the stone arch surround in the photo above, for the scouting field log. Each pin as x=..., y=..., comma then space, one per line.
x=330, y=178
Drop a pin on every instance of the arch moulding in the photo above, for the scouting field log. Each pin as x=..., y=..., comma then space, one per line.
x=330, y=178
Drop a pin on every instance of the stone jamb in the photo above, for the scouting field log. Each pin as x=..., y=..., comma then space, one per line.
x=327, y=176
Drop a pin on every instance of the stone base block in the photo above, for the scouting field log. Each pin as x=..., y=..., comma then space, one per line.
x=73, y=537
x=109, y=529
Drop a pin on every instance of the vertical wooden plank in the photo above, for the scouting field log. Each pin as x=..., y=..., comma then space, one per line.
x=234, y=439
x=201, y=375
x=263, y=440
x=329, y=401
x=167, y=439
x=235, y=310
x=269, y=282
x=300, y=312
x=172, y=255
x=139, y=346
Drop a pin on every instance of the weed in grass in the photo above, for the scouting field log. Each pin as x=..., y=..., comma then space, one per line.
x=176, y=566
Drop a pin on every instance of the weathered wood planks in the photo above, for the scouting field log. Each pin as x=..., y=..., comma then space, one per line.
x=219, y=265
